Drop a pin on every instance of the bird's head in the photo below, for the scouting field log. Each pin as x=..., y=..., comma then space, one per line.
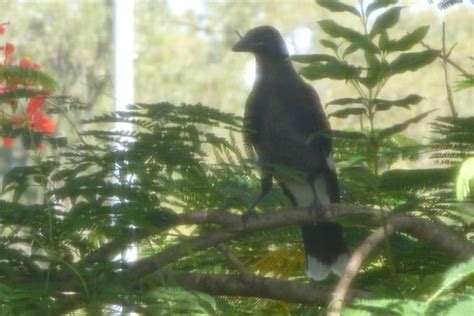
x=263, y=41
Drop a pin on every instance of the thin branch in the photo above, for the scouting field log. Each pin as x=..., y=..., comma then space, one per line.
x=452, y=63
x=358, y=257
x=445, y=56
x=244, y=273
x=436, y=234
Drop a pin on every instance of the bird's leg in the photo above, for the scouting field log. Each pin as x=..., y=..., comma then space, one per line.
x=266, y=183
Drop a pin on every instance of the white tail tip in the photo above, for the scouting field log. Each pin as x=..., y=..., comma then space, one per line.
x=319, y=271
x=316, y=270
x=339, y=266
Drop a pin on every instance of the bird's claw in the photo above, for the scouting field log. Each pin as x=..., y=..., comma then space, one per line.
x=318, y=210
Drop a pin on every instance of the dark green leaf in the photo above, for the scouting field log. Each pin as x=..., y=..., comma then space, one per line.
x=21, y=94
x=337, y=6
x=308, y=59
x=385, y=21
x=397, y=128
x=376, y=73
x=378, y=4
x=335, y=30
x=372, y=60
x=329, y=44
x=407, y=41
x=333, y=70
x=383, y=105
x=397, y=180
x=350, y=49
x=412, y=61
x=464, y=84
x=344, y=101
x=384, y=40
x=348, y=135
x=343, y=113
x=23, y=75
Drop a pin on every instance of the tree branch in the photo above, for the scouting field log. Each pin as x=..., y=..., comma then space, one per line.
x=255, y=286
x=244, y=273
x=436, y=234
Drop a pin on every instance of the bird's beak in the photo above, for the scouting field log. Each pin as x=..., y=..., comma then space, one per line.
x=243, y=45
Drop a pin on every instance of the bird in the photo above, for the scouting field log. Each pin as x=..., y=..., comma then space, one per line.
x=285, y=125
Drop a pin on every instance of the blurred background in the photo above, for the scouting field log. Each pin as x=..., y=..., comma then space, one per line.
x=182, y=51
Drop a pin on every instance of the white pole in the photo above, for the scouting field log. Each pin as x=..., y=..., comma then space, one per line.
x=124, y=51
x=123, y=72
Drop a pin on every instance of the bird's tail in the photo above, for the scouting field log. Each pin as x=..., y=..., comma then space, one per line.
x=325, y=250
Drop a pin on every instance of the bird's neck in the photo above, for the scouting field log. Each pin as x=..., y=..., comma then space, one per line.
x=269, y=67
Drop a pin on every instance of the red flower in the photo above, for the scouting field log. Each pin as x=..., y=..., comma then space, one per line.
x=36, y=119
x=26, y=62
x=7, y=141
x=35, y=104
x=3, y=27
x=41, y=123
x=9, y=49
x=46, y=125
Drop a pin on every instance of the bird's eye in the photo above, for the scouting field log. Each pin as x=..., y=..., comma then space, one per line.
x=260, y=44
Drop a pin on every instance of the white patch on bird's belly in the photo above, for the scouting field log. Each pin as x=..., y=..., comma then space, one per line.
x=330, y=162
x=321, y=189
x=303, y=193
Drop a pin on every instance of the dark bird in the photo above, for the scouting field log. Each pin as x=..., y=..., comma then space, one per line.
x=286, y=126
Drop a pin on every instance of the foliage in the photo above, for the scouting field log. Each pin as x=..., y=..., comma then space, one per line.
x=130, y=171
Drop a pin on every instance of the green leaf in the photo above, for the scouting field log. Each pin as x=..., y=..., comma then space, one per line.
x=454, y=276
x=383, y=105
x=464, y=84
x=335, y=30
x=348, y=135
x=461, y=307
x=384, y=40
x=371, y=60
x=407, y=41
x=393, y=306
x=416, y=179
x=412, y=61
x=308, y=59
x=337, y=6
x=343, y=113
x=345, y=101
x=329, y=44
x=29, y=76
x=378, y=4
x=332, y=70
x=377, y=71
x=397, y=128
x=465, y=177
x=21, y=94
x=385, y=21
x=350, y=49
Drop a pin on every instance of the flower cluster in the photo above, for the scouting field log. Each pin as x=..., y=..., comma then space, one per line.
x=22, y=97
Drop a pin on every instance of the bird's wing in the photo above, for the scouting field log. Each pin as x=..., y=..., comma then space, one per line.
x=308, y=134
